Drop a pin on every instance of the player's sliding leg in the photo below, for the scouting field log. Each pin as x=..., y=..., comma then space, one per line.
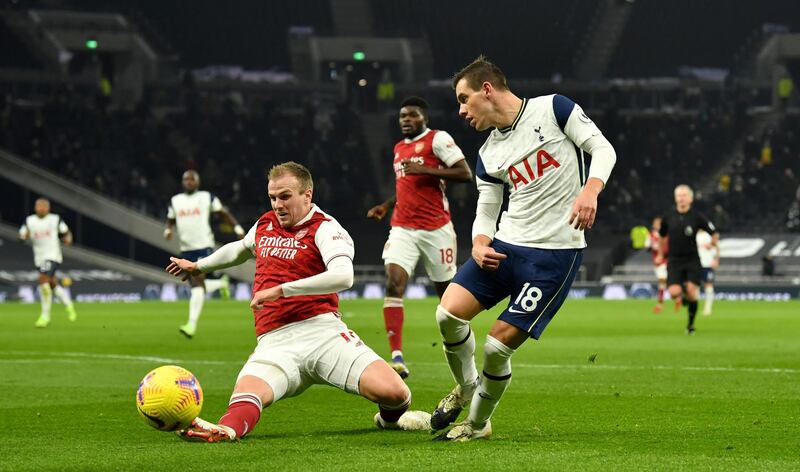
x=63, y=295
x=380, y=384
x=393, y=315
x=46, y=299
x=250, y=396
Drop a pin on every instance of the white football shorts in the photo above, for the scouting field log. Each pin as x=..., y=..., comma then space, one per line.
x=661, y=271
x=437, y=248
x=319, y=350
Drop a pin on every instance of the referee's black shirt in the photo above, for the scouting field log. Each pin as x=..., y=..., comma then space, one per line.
x=682, y=231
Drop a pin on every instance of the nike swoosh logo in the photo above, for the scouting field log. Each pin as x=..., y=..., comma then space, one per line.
x=484, y=396
x=512, y=310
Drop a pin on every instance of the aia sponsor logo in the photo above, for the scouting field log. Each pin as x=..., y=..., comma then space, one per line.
x=531, y=168
x=183, y=212
x=42, y=234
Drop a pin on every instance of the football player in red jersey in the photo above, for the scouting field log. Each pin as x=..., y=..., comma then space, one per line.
x=653, y=244
x=423, y=160
x=303, y=257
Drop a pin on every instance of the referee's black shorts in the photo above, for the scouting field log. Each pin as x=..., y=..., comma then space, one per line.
x=680, y=271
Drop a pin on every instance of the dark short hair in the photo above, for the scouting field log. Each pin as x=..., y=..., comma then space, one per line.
x=479, y=71
x=415, y=102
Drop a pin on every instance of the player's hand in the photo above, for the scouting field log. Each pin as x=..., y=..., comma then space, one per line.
x=182, y=268
x=487, y=258
x=167, y=234
x=377, y=212
x=584, y=209
x=239, y=231
x=410, y=167
x=266, y=295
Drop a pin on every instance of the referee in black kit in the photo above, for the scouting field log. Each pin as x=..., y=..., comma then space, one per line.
x=678, y=232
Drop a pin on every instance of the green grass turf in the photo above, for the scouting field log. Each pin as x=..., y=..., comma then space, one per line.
x=727, y=398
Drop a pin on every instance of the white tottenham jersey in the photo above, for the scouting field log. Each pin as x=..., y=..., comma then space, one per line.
x=44, y=235
x=191, y=212
x=538, y=158
x=707, y=255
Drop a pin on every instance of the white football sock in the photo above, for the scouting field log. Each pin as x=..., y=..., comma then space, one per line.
x=62, y=295
x=709, y=301
x=459, y=349
x=196, y=305
x=46, y=296
x=215, y=284
x=494, y=381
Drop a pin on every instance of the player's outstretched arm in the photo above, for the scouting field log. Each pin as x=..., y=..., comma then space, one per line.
x=182, y=268
x=379, y=211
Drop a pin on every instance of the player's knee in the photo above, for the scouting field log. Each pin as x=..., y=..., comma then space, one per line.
x=395, y=286
x=497, y=358
x=394, y=393
x=453, y=329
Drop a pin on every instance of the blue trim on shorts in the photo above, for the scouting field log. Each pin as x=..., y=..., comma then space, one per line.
x=536, y=280
x=196, y=254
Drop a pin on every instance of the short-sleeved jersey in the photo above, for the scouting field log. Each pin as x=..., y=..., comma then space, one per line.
x=707, y=255
x=682, y=231
x=288, y=254
x=537, y=157
x=191, y=212
x=421, y=201
x=44, y=234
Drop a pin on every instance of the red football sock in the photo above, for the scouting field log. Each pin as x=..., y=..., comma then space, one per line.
x=393, y=317
x=242, y=416
x=660, y=295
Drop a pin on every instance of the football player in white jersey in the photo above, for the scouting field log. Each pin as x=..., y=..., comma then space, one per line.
x=190, y=212
x=708, y=250
x=534, y=254
x=47, y=231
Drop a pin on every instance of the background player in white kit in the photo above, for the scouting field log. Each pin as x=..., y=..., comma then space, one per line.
x=303, y=257
x=708, y=250
x=535, y=253
x=190, y=213
x=423, y=160
x=47, y=231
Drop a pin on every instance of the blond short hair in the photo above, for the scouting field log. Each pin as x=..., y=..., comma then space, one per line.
x=300, y=171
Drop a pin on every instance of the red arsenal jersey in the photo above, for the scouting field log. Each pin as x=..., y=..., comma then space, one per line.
x=654, y=245
x=288, y=254
x=421, y=202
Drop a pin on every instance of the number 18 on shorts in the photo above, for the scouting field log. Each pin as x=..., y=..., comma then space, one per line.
x=536, y=282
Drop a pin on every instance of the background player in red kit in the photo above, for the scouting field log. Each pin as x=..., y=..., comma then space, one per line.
x=303, y=257
x=421, y=225
x=654, y=244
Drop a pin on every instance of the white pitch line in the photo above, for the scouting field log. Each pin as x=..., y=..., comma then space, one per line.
x=59, y=357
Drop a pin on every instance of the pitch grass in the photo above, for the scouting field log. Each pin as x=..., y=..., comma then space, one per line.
x=727, y=398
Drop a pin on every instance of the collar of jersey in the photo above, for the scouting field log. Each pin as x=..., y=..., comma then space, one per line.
x=417, y=137
x=514, y=123
x=307, y=217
